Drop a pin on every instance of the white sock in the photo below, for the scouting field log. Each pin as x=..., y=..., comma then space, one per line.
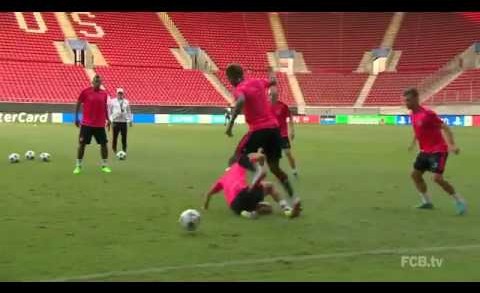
x=104, y=163
x=426, y=198
x=79, y=163
x=283, y=204
x=457, y=197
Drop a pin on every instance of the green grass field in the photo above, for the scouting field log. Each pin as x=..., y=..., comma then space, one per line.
x=358, y=216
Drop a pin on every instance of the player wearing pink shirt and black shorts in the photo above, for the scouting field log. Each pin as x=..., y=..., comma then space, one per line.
x=248, y=200
x=94, y=119
x=251, y=97
x=282, y=113
x=434, y=150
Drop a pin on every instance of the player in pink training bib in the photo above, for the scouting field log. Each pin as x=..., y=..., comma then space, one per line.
x=264, y=132
x=248, y=200
x=94, y=119
x=287, y=131
x=428, y=128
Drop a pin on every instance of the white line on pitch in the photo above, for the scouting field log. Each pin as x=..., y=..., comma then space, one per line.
x=288, y=258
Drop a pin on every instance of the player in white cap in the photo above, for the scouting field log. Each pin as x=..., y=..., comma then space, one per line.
x=121, y=116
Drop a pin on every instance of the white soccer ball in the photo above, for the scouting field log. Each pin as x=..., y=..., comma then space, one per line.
x=30, y=155
x=121, y=155
x=190, y=220
x=14, y=158
x=45, y=157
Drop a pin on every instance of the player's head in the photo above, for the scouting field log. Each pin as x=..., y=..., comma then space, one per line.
x=234, y=74
x=96, y=81
x=273, y=95
x=411, y=97
x=120, y=93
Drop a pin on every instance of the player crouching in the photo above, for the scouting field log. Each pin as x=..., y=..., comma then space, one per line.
x=248, y=200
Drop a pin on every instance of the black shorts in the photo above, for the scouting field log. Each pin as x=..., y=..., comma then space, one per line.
x=268, y=139
x=247, y=201
x=434, y=163
x=86, y=133
x=285, y=143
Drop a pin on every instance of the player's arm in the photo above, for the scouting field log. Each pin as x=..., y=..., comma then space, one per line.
x=290, y=125
x=110, y=108
x=447, y=132
x=413, y=143
x=77, y=109
x=272, y=78
x=106, y=114
x=129, y=114
x=237, y=109
x=258, y=161
x=215, y=189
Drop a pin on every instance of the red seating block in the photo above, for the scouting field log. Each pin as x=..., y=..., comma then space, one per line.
x=331, y=89
x=334, y=40
x=233, y=37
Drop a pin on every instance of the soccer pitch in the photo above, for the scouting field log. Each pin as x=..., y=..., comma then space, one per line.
x=358, y=224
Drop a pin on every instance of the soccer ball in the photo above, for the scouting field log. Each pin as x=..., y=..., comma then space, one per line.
x=190, y=220
x=14, y=158
x=30, y=155
x=121, y=155
x=45, y=157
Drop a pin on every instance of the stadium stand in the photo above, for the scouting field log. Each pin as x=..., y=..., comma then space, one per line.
x=136, y=47
x=162, y=86
x=389, y=86
x=243, y=38
x=131, y=39
x=333, y=46
x=464, y=89
x=18, y=45
x=427, y=41
x=332, y=88
x=334, y=40
x=30, y=82
x=30, y=69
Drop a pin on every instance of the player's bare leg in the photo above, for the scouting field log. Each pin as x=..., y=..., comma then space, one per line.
x=81, y=151
x=448, y=188
x=104, y=154
x=124, y=138
x=269, y=190
x=291, y=162
x=421, y=185
x=115, y=138
x=80, y=155
x=274, y=165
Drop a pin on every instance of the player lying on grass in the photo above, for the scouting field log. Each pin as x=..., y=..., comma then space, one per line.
x=428, y=128
x=248, y=200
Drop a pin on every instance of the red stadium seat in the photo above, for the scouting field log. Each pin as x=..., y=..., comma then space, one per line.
x=238, y=37
x=428, y=40
x=136, y=46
